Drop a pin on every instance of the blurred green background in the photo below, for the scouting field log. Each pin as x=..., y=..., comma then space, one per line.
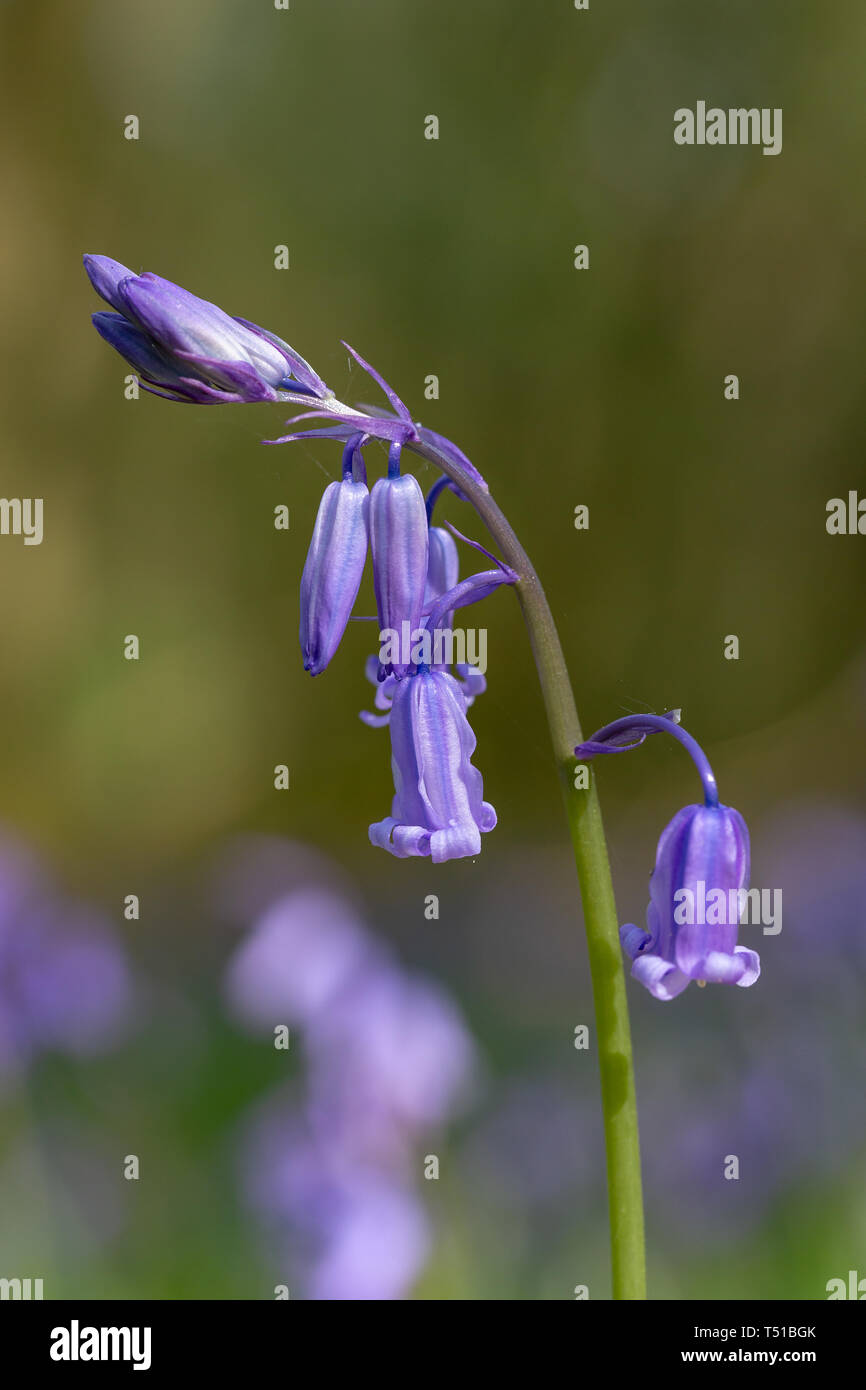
x=605, y=387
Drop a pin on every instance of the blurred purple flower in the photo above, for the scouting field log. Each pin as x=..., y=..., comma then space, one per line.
x=64, y=981
x=296, y=960
x=388, y=1061
x=358, y=1232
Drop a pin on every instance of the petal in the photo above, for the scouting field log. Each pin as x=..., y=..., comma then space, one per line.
x=719, y=968
x=449, y=785
x=713, y=863
x=333, y=571
x=752, y=969
x=468, y=591
x=634, y=940
x=160, y=374
x=665, y=880
x=300, y=369
x=455, y=842
x=471, y=680
x=136, y=348
x=184, y=324
x=374, y=426
x=342, y=432
x=374, y=721
x=199, y=393
x=662, y=979
x=403, y=841
x=410, y=840
x=105, y=275
x=438, y=806
x=397, y=404
x=443, y=564
x=238, y=377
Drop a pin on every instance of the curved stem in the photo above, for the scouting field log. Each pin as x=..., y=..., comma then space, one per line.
x=619, y=1103
x=643, y=724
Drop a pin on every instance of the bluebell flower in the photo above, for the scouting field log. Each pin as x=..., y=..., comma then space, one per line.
x=187, y=349
x=702, y=858
x=697, y=889
x=335, y=562
x=399, y=546
x=469, y=681
x=438, y=808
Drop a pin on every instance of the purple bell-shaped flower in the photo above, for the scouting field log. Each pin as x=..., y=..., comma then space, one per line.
x=698, y=887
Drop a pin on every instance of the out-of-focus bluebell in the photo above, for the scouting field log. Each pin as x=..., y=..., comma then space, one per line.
x=387, y=1061
x=296, y=962
x=353, y=1231
x=64, y=981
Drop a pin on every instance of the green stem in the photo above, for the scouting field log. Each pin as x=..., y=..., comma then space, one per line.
x=618, y=1098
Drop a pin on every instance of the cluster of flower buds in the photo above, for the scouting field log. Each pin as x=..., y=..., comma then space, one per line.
x=186, y=349
x=703, y=855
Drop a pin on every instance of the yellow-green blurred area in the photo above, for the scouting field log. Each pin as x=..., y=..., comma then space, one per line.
x=601, y=387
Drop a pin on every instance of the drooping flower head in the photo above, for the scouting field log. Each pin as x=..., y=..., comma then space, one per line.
x=698, y=885
x=188, y=349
